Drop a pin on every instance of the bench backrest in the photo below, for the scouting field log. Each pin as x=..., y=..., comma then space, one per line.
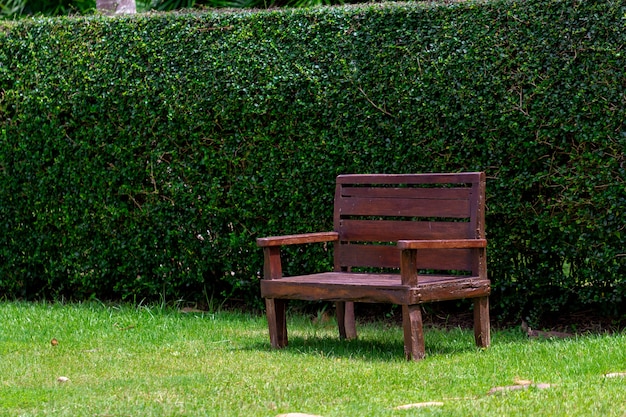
x=372, y=212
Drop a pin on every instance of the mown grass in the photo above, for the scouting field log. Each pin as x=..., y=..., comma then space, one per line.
x=148, y=361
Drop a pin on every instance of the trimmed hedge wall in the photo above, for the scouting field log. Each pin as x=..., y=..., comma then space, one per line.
x=141, y=156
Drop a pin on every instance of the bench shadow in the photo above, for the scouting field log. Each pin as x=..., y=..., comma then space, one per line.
x=361, y=348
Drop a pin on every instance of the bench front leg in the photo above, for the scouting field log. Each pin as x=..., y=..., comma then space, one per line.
x=277, y=321
x=414, y=348
x=482, y=329
x=346, y=320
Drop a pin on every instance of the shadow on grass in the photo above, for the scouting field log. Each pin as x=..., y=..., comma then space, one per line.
x=363, y=349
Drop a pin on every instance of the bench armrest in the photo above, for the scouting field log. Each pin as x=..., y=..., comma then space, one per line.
x=442, y=244
x=410, y=248
x=297, y=239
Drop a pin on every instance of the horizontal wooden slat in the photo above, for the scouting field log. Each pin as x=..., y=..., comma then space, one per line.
x=443, y=244
x=450, y=290
x=412, y=193
x=297, y=239
x=376, y=256
x=392, y=231
x=349, y=278
x=401, y=207
x=382, y=256
x=435, y=178
x=337, y=286
x=311, y=290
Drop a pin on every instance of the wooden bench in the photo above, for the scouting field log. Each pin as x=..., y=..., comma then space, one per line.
x=403, y=239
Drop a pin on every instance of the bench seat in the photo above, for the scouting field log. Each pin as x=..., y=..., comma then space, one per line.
x=374, y=288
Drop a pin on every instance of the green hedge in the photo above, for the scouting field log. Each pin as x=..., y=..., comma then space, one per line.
x=141, y=156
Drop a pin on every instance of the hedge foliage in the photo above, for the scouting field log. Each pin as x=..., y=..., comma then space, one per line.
x=141, y=156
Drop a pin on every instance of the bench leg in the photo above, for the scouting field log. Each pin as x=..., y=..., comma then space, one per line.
x=345, y=319
x=277, y=321
x=482, y=330
x=414, y=348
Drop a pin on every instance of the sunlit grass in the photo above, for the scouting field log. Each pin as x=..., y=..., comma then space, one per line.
x=131, y=361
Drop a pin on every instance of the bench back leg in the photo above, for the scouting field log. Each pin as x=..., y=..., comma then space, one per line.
x=414, y=348
x=277, y=321
x=345, y=319
x=482, y=330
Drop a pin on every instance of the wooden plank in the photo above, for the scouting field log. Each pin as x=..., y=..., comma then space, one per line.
x=414, y=348
x=272, y=265
x=478, y=208
x=374, y=288
x=394, y=230
x=408, y=268
x=450, y=290
x=375, y=256
x=432, y=178
x=276, y=320
x=443, y=244
x=297, y=239
x=402, y=207
x=359, y=279
x=482, y=327
x=383, y=256
x=345, y=278
x=346, y=320
x=411, y=193
x=317, y=291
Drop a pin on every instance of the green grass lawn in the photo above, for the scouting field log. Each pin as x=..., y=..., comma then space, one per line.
x=147, y=361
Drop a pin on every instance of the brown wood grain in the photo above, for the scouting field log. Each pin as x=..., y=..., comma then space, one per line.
x=431, y=178
x=445, y=194
x=388, y=256
x=443, y=244
x=406, y=222
x=402, y=207
x=374, y=288
x=394, y=230
x=297, y=239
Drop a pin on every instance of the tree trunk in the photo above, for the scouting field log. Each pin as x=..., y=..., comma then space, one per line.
x=113, y=7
